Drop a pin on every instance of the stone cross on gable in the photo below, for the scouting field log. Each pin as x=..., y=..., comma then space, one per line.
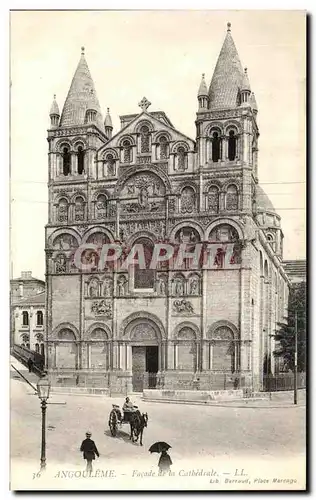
x=144, y=104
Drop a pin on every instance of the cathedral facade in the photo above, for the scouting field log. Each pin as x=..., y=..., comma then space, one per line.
x=174, y=326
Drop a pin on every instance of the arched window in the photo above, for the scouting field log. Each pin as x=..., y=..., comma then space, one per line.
x=216, y=147
x=66, y=161
x=186, y=350
x=36, y=347
x=213, y=199
x=181, y=158
x=99, y=352
x=110, y=163
x=232, y=198
x=62, y=210
x=224, y=350
x=79, y=209
x=66, y=349
x=39, y=318
x=144, y=139
x=232, y=143
x=101, y=207
x=80, y=156
x=127, y=152
x=25, y=318
x=42, y=349
x=187, y=200
x=145, y=278
x=163, y=147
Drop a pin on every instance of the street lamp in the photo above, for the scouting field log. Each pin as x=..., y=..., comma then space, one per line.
x=43, y=389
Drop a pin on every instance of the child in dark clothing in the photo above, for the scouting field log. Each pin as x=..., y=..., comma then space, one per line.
x=164, y=462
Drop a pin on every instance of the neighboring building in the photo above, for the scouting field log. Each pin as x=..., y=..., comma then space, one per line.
x=29, y=322
x=295, y=270
x=147, y=183
x=20, y=289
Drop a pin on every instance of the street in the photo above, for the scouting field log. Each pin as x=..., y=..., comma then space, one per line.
x=258, y=441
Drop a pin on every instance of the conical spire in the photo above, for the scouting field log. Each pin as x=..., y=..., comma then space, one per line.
x=108, y=120
x=203, y=88
x=253, y=102
x=54, y=110
x=227, y=76
x=245, y=85
x=81, y=97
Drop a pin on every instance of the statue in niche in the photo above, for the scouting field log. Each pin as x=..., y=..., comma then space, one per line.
x=93, y=288
x=130, y=189
x=60, y=264
x=236, y=256
x=121, y=286
x=122, y=234
x=179, y=287
x=156, y=189
x=194, y=286
x=161, y=286
x=107, y=288
x=192, y=237
x=143, y=197
x=219, y=260
x=90, y=258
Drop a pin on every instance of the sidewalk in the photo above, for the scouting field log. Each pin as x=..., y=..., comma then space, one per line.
x=20, y=368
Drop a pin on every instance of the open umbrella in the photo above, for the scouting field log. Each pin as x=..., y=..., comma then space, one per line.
x=159, y=447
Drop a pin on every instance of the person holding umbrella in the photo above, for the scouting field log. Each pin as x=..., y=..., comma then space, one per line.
x=164, y=460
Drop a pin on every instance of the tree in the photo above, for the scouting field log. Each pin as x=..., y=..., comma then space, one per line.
x=285, y=337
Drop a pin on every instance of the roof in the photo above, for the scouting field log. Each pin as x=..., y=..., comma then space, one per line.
x=245, y=85
x=227, y=77
x=54, y=110
x=264, y=204
x=38, y=299
x=81, y=97
x=203, y=88
x=108, y=120
x=295, y=268
x=22, y=279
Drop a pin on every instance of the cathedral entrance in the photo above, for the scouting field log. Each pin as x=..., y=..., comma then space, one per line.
x=144, y=367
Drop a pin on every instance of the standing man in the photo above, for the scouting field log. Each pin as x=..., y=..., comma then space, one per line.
x=89, y=450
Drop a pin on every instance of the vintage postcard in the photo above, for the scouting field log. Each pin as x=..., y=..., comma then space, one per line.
x=158, y=266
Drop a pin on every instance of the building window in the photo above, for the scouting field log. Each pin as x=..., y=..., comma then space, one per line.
x=101, y=207
x=232, y=198
x=232, y=143
x=187, y=200
x=66, y=161
x=181, y=158
x=213, y=199
x=127, y=152
x=163, y=148
x=37, y=347
x=79, y=209
x=80, y=156
x=39, y=318
x=62, y=210
x=216, y=147
x=110, y=163
x=144, y=139
x=42, y=349
x=145, y=278
x=25, y=318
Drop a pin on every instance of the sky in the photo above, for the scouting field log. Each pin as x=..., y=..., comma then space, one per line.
x=160, y=55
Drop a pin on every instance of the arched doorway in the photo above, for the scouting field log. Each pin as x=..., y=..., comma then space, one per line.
x=144, y=338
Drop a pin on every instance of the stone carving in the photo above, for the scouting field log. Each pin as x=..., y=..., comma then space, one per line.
x=94, y=288
x=98, y=239
x=223, y=233
x=187, y=235
x=219, y=260
x=144, y=160
x=222, y=333
x=100, y=207
x=236, y=256
x=122, y=282
x=213, y=199
x=107, y=287
x=194, y=285
x=183, y=306
x=142, y=332
x=186, y=333
x=60, y=264
x=187, y=200
x=161, y=285
x=82, y=228
x=65, y=242
x=155, y=226
x=62, y=211
x=102, y=308
x=144, y=104
x=178, y=286
x=74, y=131
x=79, y=210
x=144, y=139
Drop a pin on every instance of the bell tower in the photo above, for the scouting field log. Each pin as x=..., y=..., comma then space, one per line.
x=227, y=131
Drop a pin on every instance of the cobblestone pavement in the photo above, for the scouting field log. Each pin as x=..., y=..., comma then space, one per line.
x=200, y=437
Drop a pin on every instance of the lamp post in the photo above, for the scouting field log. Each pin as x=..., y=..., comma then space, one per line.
x=43, y=389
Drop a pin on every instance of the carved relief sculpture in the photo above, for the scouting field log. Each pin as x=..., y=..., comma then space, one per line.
x=122, y=286
x=102, y=308
x=183, y=306
x=60, y=264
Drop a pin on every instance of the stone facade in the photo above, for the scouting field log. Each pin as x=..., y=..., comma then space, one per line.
x=29, y=322
x=174, y=327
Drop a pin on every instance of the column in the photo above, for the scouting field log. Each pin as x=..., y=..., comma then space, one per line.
x=117, y=221
x=121, y=356
x=115, y=355
x=74, y=164
x=166, y=215
x=129, y=357
x=170, y=356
